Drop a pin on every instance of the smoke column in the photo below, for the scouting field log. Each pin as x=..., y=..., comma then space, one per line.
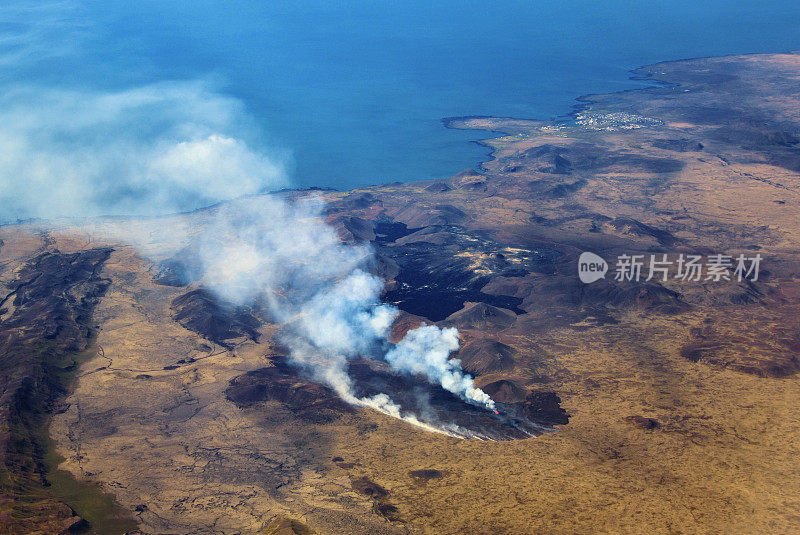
x=320, y=290
x=426, y=351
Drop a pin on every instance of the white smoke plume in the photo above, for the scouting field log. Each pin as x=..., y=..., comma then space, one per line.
x=426, y=351
x=318, y=287
x=265, y=248
x=147, y=150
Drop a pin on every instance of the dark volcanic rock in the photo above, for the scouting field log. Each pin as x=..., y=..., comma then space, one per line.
x=486, y=356
x=438, y=407
x=589, y=158
x=379, y=495
x=416, y=215
x=282, y=383
x=387, y=231
x=353, y=201
x=439, y=186
x=678, y=145
x=56, y=294
x=387, y=510
x=505, y=391
x=202, y=312
x=369, y=488
x=354, y=229
x=184, y=268
x=545, y=407
x=385, y=268
x=432, y=404
x=437, y=289
x=445, y=266
x=637, y=228
x=643, y=422
x=53, y=299
x=770, y=350
x=482, y=317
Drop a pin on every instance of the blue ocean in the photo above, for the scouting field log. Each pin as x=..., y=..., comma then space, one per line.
x=355, y=91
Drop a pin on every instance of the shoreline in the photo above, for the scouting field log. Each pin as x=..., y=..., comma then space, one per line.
x=584, y=102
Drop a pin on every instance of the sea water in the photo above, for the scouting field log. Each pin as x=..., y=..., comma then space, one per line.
x=356, y=90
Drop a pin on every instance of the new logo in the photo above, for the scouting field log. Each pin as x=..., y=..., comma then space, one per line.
x=591, y=267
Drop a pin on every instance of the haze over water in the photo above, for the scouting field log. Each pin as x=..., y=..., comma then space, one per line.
x=355, y=90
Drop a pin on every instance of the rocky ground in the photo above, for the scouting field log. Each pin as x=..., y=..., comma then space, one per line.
x=673, y=403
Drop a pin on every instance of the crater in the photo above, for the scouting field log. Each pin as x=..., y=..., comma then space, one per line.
x=430, y=403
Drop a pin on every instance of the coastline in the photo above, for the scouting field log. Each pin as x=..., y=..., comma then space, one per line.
x=585, y=102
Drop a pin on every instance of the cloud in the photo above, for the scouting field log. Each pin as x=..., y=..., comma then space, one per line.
x=33, y=32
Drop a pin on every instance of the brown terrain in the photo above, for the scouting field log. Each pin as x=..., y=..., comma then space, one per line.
x=628, y=407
